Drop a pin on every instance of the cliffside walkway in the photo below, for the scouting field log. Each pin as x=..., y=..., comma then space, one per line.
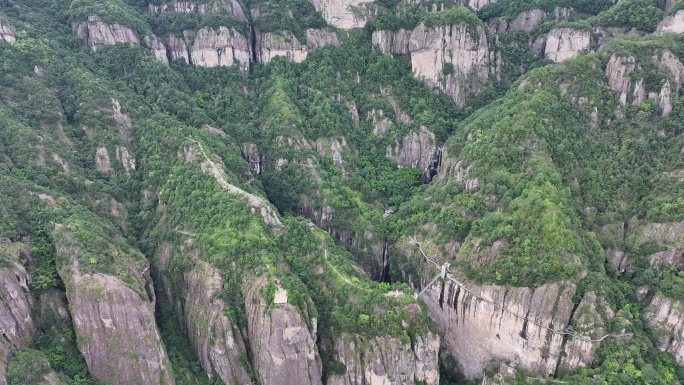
x=444, y=273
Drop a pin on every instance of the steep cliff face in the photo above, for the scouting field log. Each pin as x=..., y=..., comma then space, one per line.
x=396, y=42
x=7, y=32
x=213, y=336
x=211, y=47
x=564, y=43
x=16, y=323
x=669, y=238
x=455, y=57
x=673, y=23
x=475, y=331
x=283, y=345
x=589, y=320
x=476, y=4
x=230, y=6
x=387, y=360
x=667, y=316
x=619, y=72
x=526, y=21
x=418, y=149
x=114, y=321
x=157, y=48
x=270, y=45
x=346, y=14
x=96, y=33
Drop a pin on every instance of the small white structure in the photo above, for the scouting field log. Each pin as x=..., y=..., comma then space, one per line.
x=280, y=296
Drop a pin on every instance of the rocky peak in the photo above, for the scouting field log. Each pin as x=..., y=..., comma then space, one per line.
x=7, y=32
x=96, y=33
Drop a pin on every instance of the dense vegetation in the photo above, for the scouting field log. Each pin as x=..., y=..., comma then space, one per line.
x=556, y=188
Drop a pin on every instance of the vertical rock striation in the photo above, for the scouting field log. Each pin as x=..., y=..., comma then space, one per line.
x=284, y=351
x=387, y=360
x=213, y=336
x=564, y=43
x=96, y=33
x=16, y=323
x=476, y=331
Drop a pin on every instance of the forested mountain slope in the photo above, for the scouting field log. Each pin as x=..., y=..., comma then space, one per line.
x=341, y=192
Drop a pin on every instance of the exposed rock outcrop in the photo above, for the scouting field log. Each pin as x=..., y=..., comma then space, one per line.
x=673, y=23
x=250, y=153
x=476, y=331
x=7, y=32
x=102, y=162
x=418, y=149
x=587, y=321
x=476, y=4
x=231, y=6
x=114, y=321
x=96, y=33
x=270, y=45
x=669, y=237
x=332, y=147
x=126, y=159
x=392, y=41
x=157, y=48
x=346, y=14
x=283, y=347
x=216, y=341
x=219, y=47
x=667, y=316
x=564, y=43
x=16, y=323
x=387, y=360
x=465, y=54
x=319, y=38
x=618, y=70
x=526, y=21
x=284, y=43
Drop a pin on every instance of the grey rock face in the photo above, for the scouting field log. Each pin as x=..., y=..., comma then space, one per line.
x=475, y=331
x=283, y=348
x=387, y=360
x=667, y=315
x=96, y=33
x=564, y=43
x=16, y=324
x=114, y=322
x=345, y=14
x=673, y=23
x=7, y=32
x=214, y=338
